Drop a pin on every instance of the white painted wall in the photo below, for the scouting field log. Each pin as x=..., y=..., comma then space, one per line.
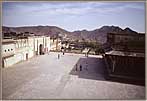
x=8, y=49
x=21, y=51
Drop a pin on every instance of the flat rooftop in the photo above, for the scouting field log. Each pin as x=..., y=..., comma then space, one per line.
x=122, y=53
x=47, y=77
x=7, y=41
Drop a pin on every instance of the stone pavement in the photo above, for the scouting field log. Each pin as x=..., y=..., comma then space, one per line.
x=47, y=77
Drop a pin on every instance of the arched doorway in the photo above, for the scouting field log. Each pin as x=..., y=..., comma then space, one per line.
x=40, y=49
x=3, y=62
x=26, y=56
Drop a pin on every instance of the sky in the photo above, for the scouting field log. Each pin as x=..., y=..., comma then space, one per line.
x=73, y=16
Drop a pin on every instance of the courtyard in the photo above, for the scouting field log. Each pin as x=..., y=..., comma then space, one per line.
x=47, y=77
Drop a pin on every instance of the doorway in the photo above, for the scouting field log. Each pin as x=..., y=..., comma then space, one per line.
x=26, y=56
x=40, y=49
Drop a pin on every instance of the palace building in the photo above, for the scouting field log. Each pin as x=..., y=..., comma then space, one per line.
x=127, y=57
x=15, y=50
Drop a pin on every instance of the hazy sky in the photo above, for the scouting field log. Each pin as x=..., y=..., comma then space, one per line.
x=75, y=15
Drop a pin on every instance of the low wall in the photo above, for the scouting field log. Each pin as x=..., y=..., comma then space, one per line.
x=17, y=58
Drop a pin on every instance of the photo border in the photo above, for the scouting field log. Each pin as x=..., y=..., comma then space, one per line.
x=69, y=1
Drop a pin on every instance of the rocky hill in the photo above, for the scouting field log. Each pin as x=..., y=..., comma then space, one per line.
x=99, y=34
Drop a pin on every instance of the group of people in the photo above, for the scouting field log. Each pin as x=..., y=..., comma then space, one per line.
x=81, y=68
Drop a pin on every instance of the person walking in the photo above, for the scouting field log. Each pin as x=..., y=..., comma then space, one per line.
x=58, y=56
x=63, y=52
x=80, y=67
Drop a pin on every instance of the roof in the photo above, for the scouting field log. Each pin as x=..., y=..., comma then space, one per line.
x=121, y=53
x=7, y=41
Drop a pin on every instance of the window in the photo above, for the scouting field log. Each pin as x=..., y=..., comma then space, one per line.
x=11, y=49
x=5, y=50
x=8, y=49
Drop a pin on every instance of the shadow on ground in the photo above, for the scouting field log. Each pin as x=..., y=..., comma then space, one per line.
x=94, y=68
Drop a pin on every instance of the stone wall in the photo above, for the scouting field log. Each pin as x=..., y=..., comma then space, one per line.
x=24, y=49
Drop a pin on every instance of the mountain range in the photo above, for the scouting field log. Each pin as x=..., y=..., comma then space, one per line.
x=99, y=34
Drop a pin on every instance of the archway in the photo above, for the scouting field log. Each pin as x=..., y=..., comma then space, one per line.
x=40, y=49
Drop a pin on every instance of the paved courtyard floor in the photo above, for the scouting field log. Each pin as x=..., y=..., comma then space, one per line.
x=47, y=77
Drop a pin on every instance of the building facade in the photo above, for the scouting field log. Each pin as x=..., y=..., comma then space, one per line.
x=117, y=38
x=125, y=64
x=127, y=42
x=8, y=52
x=127, y=57
x=55, y=44
x=14, y=51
